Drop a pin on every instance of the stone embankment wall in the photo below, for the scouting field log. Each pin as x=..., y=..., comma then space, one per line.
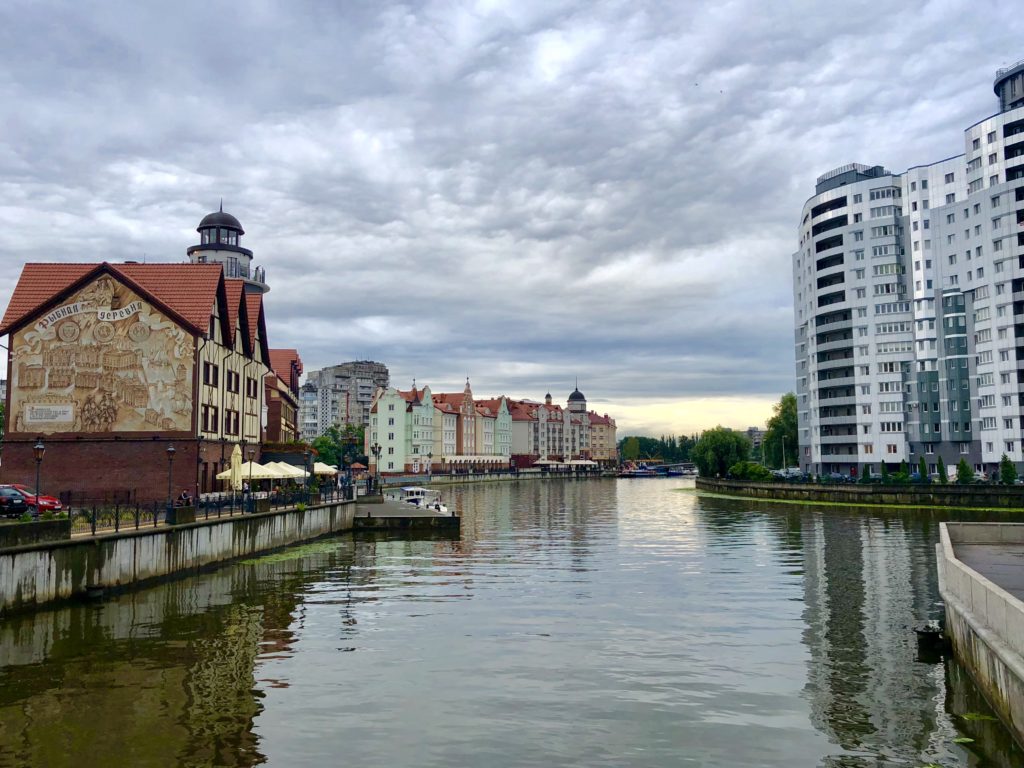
x=984, y=621
x=41, y=573
x=989, y=496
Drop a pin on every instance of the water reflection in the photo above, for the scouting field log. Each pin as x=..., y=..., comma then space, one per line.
x=597, y=623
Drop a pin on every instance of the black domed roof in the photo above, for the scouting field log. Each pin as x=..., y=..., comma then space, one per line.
x=576, y=396
x=220, y=219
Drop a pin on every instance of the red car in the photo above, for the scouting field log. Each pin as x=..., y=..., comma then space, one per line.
x=46, y=503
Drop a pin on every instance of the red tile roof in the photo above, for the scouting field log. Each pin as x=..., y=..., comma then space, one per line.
x=287, y=364
x=187, y=290
x=254, y=306
x=234, y=289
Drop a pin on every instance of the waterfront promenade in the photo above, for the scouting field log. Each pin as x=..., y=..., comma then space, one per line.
x=981, y=580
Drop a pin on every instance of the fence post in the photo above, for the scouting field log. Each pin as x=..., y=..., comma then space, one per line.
x=156, y=513
x=136, y=513
x=93, y=522
x=117, y=517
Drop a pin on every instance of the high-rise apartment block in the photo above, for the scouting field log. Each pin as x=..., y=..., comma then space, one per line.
x=909, y=306
x=339, y=395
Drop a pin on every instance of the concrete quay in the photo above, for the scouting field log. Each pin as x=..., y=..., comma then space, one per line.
x=981, y=580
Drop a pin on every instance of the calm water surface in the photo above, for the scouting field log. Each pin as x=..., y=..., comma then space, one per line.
x=598, y=623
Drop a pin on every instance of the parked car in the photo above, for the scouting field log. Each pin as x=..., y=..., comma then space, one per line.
x=45, y=504
x=12, y=502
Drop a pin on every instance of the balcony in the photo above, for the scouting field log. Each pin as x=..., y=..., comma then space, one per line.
x=829, y=346
x=838, y=439
x=839, y=362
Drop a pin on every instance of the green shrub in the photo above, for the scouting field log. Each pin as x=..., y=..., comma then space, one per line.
x=48, y=515
x=751, y=471
x=300, y=507
x=943, y=475
x=1007, y=471
x=26, y=517
x=964, y=473
x=899, y=478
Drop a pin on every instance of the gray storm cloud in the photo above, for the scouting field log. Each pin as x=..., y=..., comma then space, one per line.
x=522, y=192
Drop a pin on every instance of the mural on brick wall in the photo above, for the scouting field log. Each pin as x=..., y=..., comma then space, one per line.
x=104, y=361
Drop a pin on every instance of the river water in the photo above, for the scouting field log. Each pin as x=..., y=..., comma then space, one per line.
x=582, y=623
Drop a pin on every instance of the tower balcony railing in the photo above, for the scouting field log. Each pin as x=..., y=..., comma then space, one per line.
x=236, y=270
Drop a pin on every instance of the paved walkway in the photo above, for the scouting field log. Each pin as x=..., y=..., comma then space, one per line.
x=1002, y=564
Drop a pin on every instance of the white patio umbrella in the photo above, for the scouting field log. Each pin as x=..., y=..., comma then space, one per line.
x=235, y=471
x=285, y=470
x=319, y=468
x=248, y=470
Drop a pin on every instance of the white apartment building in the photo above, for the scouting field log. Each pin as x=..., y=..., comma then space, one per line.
x=339, y=395
x=909, y=303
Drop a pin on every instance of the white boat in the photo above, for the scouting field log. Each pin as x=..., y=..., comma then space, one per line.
x=422, y=498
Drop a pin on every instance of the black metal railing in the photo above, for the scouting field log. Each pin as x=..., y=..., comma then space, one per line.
x=121, y=511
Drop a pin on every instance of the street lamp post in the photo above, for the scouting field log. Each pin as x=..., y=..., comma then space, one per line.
x=170, y=491
x=305, y=470
x=430, y=466
x=375, y=449
x=39, y=449
x=200, y=453
x=252, y=457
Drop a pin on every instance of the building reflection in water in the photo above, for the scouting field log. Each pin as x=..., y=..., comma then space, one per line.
x=163, y=676
x=867, y=582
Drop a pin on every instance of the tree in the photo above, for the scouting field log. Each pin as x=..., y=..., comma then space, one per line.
x=780, y=444
x=922, y=469
x=335, y=445
x=718, y=449
x=943, y=475
x=630, y=449
x=885, y=473
x=964, y=473
x=1007, y=471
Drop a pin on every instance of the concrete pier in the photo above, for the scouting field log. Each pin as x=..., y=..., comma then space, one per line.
x=981, y=580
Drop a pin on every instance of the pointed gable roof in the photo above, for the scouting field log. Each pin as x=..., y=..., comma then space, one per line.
x=188, y=292
x=234, y=290
x=257, y=323
x=287, y=364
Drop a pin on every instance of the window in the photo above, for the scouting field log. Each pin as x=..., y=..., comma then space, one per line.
x=951, y=198
x=231, y=381
x=976, y=144
x=858, y=198
x=990, y=137
x=250, y=387
x=211, y=374
x=890, y=448
x=230, y=422
x=869, y=448
x=210, y=417
x=391, y=421
x=992, y=158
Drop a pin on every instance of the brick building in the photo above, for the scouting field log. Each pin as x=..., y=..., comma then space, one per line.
x=111, y=365
x=282, y=398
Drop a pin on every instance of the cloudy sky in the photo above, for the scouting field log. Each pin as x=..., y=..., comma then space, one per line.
x=519, y=192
